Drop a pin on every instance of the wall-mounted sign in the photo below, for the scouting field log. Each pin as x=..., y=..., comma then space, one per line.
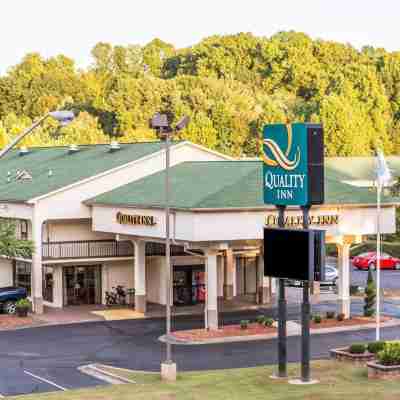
x=128, y=219
x=293, y=164
x=297, y=220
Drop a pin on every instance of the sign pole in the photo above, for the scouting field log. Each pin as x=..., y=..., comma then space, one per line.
x=305, y=315
x=282, y=312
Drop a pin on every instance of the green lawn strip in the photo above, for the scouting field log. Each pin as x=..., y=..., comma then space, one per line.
x=338, y=381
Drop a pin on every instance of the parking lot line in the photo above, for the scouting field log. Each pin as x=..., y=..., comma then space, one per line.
x=45, y=380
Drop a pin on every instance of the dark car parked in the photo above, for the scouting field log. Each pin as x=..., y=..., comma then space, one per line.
x=9, y=297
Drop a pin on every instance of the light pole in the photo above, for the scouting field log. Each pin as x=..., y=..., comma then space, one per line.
x=64, y=117
x=160, y=124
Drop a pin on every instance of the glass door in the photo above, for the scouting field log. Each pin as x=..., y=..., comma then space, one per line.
x=82, y=285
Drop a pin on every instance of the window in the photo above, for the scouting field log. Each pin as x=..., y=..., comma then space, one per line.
x=48, y=284
x=22, y=275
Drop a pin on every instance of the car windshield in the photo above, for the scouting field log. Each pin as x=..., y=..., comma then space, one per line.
x=368, y=254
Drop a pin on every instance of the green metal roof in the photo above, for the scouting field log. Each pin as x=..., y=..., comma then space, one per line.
x=66, y=168
x=237, y=184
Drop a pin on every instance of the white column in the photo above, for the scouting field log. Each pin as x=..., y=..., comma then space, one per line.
x=263, y=287
x=344, y=278
x=229, y=275
x=57, y=287
x=212, y=289
x=37, y=270
x=140, y=275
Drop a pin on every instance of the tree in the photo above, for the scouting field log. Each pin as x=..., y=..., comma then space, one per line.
x=10, y=246
x=370, y=295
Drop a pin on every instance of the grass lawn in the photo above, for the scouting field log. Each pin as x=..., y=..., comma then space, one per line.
x=337, y=381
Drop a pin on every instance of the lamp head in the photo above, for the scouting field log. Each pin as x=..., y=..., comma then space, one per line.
x=64, y=117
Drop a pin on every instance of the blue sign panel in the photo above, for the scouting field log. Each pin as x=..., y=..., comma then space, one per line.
x=285, y=164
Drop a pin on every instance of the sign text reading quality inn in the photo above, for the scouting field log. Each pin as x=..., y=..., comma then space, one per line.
x=285, y=164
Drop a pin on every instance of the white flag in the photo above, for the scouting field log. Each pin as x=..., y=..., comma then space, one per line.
x=383, y=174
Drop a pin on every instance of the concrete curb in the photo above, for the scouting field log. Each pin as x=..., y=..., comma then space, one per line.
x=106, y=376
x=250, y=338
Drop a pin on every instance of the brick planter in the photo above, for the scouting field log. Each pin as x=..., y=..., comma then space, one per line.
x=383, y=372
x=343, y=354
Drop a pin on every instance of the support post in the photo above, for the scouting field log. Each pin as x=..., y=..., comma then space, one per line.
x=37, y=268
x=140, y=276
x=212, y=290
x=305, y=317
x=282, y=313
x=344, y=278
x=229, y=275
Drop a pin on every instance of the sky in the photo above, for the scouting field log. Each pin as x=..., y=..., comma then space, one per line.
x=73, y=27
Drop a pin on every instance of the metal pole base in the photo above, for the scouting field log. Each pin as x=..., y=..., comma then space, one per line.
x=168, y=371
x=301, y=382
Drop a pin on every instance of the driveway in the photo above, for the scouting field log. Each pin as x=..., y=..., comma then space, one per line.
x=45, y=359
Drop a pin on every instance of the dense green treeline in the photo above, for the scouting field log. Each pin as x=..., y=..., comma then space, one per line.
x=229, y=86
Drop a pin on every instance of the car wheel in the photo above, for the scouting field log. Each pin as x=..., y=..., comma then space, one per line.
x=372, y=266
x=397, y=266
x=10, y=307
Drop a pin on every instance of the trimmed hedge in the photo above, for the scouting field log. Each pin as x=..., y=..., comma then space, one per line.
x=357, y=348
x=376, y=347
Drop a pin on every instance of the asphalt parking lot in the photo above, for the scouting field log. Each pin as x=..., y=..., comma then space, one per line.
x=46, y=359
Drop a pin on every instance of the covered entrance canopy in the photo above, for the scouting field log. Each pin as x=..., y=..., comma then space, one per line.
x=217, y=208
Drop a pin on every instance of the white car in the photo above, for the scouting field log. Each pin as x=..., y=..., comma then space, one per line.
x=331, y=277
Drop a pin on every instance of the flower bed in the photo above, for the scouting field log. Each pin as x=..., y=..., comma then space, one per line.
x=12, y=321
x=332, y=323
x=385, y=372
x=198, y=335
x=343, y=354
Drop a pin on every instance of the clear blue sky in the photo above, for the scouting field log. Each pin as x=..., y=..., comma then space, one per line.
x=73, y=27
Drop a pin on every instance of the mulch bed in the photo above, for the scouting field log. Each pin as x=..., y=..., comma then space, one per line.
x=332, y=323
x=12, y=321
x=225, y=331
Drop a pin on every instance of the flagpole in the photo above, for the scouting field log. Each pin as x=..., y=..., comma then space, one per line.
x=378, y=260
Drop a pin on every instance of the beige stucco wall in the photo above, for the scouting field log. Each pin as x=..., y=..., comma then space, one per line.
x=156, y=280
x=6, y=272
x=116, y=273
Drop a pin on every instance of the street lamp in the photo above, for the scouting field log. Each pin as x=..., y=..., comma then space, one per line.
x=159, y=122
x=64, y=117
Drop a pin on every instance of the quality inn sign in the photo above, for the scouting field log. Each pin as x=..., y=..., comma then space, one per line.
x=285, y=164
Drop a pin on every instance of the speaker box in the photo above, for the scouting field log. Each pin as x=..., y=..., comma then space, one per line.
x=315, y=164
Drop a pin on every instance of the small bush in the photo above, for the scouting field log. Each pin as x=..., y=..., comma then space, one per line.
x=260, y=319
x=268, y=322
x=317, y=319
x=354, y=290
x=23, y=303
x=330, y=314
x=390, y=355
x=340, y=317
x=357, y=348
x=244, y=324
x=375, y=347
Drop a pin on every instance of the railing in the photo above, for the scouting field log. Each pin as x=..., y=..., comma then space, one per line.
x=87, y=249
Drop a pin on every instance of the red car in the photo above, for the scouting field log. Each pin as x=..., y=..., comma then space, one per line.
x=368, y=260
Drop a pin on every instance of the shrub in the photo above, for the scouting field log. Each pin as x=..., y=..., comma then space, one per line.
x=268, y=322
x=357, y=348
x=340, y=317
x=390, y=355
x=23, y=303
x=317, y=319
x=370, y=295
x=330, y=314
x=375, y=347
x=244, y=324
x=354, y=289
x=260, y=319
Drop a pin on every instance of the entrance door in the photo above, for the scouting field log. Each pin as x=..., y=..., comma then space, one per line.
x=82, y=285
x=246, y=275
